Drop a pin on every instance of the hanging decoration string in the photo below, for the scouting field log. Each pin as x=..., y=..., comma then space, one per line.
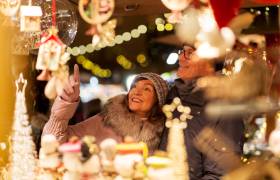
x=53, y=13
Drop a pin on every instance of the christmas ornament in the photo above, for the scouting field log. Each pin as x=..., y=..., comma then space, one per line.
x=52, y=60
x=30, y=18
x=189, y=27
x=49, y=160
x=160, y=168
x=22, y=157
x=129, y=158
x=9, y=7
x=66, y=20
x=212, y=42
x=103, y=34
x=97, y=12
x=242, y=85
x=224, y=11
x=71, y=158
x=107, y=154
x=176, y=146
x=176, y=6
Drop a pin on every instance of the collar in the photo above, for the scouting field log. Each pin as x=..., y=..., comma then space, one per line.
x=189, y=93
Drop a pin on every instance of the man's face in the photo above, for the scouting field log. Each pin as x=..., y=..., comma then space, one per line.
x=190, y=66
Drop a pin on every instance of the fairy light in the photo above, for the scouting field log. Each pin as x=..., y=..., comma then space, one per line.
x=124, y=62
x=126, y=36
x=119, y=39
x=160, y=27
x=142, y=29
x=135, y=33
x=159, y=21
x=82, y=49
x=168, y=27
x=94, y=68
x=141, y=58
x=89, y=48
x=266, y=13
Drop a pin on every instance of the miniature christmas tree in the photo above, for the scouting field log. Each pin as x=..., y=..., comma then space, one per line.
x=22, y=157
x=176, y=146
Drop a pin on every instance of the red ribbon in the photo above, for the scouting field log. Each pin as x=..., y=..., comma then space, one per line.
x=53, y=13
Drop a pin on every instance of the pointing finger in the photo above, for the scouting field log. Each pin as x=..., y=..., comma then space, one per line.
x=76, y=73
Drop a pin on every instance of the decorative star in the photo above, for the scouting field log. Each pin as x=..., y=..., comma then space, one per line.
x=21, y=83
x=185, y=111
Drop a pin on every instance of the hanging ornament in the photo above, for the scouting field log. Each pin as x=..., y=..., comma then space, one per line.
x=212, y=42
x=9, y=7
x=97, y=12
x=103, y=34
x=224, y=10
x=30, y=18
x=189, y=26
x=176, y=6
x=52, y=60
x=66, y=20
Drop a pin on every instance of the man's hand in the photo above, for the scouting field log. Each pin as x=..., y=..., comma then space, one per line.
x=71, y=90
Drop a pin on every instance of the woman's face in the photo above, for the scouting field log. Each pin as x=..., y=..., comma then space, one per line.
x=142, y=97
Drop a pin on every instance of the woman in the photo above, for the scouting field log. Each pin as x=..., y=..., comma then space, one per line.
x=137, y=114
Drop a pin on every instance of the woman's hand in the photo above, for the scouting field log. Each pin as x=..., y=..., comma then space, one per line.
x=71, y=90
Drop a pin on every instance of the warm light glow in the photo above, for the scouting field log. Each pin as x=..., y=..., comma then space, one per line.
x=142, y=29
x=135, y=33
x=126, y=36
x=172, y=58
x=141, y=58
x=160, y=27
x=89, y=48
x=118, y=39
x=159, y=21
x=168, y=27
x=129, y=80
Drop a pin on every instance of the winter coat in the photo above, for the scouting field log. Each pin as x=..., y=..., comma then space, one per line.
x=115, y=121
x=200, y=166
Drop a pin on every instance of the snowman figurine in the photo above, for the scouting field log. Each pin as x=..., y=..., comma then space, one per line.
x=107, y=155
x=71, y=159
x=49, y=160
x=129, y=160
x=90, y=160
x=159, y=167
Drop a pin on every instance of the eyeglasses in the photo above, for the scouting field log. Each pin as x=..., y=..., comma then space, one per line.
x=187, y=52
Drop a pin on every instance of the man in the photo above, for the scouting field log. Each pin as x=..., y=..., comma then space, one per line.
x=201, y=167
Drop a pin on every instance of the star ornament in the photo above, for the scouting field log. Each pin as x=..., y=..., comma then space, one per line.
x=169, y=109
x=21, y=83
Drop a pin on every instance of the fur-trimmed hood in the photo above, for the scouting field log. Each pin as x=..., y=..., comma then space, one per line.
x=126, y=123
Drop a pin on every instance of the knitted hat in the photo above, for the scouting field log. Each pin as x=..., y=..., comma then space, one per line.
x=160, y=85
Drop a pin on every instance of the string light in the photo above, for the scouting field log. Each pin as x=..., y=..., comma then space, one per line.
x=119, y=39
x=267, y=8
x=94, y=68
x=168, y=27
x=159, y=21
x=124, y=62
x=141, y=58
x=160, y=27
